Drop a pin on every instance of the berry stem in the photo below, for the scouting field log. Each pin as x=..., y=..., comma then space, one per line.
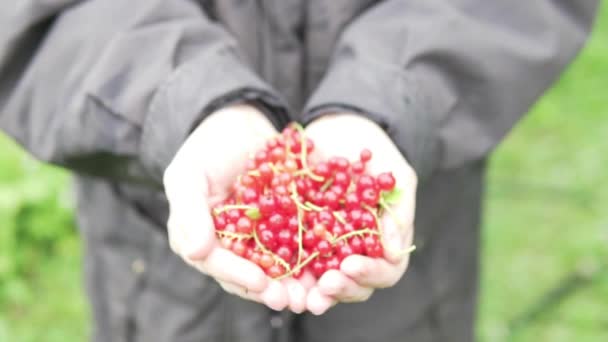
x=313, y=207
x=360, y=232
x=303, y=154
x=232, y=235
x=227, y=207
x=265, y=250
x=339, y=217
x=294, y=197
x=299, y=266
x=326, y=185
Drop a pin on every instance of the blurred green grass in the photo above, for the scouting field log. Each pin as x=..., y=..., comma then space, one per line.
x=545, y=218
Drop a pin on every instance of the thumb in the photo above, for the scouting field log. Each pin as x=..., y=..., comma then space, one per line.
x=190, y=224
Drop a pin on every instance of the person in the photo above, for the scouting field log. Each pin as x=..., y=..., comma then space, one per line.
x=155, y=105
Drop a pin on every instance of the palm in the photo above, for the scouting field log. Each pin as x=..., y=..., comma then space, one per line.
x=201, y=176
x=359, y=275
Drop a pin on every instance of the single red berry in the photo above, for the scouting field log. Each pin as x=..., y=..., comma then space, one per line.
x=356, y=244
x=226, y=242
x=365, y=156
x=233, y=215
x=290, y=165
x=250, y=165
x=280, y=190
x=230, y=228
x=351, y=201
x=262, y=226
x=268, y=239
x=285, y=253
x=248, y=181
x=370, y=197
x=342, y=179
x=219, y=221
x=358, y=167
x=337, y=230
x=292, y=224
x=331, y=199
x=285, y=237
x=277, y=154
x=326, y=218
x=310, y=239
x=249, y=196
x=333, y=263
x=244, y=225
x=318, y=267
x=324, y=247
x=344, y=251
x=261, y=157
x=386, y=181
x=266, y=261
x=376, y=252
x=267, y=205
x=348, y=228
x=302, y=186
x=285, y=178
x=365, y=182
x=355, y=217
x=238, y=247
x=342, y=164
x=272, y=143
x=319, y=230
x=322, y=169
x=276, y=222
x=266, y=173
x=286, y=205
x=372, y=246
x=275, y=271
x=255, y=257
x=367, y=220
x=338, y=190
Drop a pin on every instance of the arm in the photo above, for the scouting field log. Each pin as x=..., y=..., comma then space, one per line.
x=448, y=79
x=113, y=88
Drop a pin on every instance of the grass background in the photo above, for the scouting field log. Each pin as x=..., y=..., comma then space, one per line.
x=545, y=226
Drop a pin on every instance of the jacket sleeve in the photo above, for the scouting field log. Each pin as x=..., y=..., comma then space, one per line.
x=448, y=79
x=113, y=87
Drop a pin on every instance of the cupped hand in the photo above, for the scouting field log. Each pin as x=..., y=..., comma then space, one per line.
x=199, y=177
x=345, y=135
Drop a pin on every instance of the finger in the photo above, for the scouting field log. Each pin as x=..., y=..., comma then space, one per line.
x=307, y=280
x=275, y=296
x=397, y=222
x=318, y=303
x=337, y=285
x=241, y=291
x=190, y=217
x=397, y=240
x=297, y=295
x=373, y=272
x=228, y=267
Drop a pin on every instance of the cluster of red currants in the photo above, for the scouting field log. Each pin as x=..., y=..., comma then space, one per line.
x=289, y=216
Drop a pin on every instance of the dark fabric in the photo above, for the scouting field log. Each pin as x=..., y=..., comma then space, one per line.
x=110, y=89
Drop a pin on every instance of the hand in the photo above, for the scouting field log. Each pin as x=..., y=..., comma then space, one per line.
x=346, y=135
x=200, y=176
